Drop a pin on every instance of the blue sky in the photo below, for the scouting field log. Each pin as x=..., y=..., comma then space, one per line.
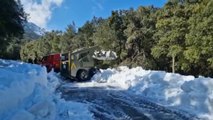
x=57, y=14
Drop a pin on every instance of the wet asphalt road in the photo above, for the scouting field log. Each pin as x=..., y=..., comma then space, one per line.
x=111, y=104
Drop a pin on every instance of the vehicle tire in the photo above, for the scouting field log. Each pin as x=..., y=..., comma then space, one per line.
x=83, y=75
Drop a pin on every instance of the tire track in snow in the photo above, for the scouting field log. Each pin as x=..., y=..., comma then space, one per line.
x=110, y=104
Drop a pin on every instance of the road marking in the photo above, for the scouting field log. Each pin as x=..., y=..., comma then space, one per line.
x=73, y=66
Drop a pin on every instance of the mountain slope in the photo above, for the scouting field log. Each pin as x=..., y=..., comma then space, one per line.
x=32, y=31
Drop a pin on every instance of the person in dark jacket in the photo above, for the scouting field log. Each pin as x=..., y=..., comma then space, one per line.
x=35, y=60
x=30, y=60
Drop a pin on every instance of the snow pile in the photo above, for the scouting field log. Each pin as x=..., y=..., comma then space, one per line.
x=67, y=110
x=27, y=92
x=104, y=55
x=187, y=93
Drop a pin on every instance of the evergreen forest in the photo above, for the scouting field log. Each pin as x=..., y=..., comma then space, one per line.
x=175, y=38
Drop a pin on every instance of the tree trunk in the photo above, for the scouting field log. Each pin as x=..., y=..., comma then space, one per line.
x=173, y=64
x=120, y=45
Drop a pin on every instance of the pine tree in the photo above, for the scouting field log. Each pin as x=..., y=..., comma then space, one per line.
x=12, y=17
x=172, y=28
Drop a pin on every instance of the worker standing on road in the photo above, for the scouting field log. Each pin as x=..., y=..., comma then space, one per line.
x=30, y=60
x=35, y=60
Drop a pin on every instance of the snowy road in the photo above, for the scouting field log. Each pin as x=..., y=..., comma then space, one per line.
x=110, y=104
x=117, y=93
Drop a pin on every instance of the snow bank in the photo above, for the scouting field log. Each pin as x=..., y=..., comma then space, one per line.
x=27, y=92
x=187, y=93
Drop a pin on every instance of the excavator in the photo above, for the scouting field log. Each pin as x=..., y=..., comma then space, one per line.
x=79, y=64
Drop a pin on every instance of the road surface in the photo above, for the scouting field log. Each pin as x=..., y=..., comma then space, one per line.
x=112, y=104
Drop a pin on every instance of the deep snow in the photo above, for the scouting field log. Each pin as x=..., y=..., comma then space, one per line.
x=27, y=92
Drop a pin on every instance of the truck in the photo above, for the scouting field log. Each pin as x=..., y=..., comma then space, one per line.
x=78, y=65
x=51, y=61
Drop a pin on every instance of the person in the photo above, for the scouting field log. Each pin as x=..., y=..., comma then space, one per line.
x=35, y=60
x=39, y=60
x=30, y=60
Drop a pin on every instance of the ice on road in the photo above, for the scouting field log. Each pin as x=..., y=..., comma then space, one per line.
x=111, y=104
